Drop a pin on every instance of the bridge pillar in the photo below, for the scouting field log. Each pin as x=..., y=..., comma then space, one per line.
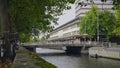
x=73, y=49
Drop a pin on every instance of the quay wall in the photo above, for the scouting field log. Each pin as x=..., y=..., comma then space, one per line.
x=108, y=52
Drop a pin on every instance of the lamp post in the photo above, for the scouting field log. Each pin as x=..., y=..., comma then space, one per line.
x=85, y=27
x=85, y=31
x=97, y=28
x=33, y=29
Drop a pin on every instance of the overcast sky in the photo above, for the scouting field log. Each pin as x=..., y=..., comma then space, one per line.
x=66, y=17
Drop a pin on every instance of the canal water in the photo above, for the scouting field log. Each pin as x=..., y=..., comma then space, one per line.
x=62, y=60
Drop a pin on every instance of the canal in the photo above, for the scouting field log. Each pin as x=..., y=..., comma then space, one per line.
x=62, y=60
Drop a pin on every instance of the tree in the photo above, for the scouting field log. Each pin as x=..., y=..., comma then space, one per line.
x=117, y=28
x=35, y=14
x=95, y=20
x=107, y=22
x=88, y=22
x=22, y=16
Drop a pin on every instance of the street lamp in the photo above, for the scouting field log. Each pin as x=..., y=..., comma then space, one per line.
x=33, y=29
x=97, y=28
x=85, y=33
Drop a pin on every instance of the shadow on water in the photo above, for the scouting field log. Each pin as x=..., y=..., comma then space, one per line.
x=58, y=54
x=51, y=54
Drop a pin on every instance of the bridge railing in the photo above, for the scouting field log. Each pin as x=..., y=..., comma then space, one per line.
x=70, y=43
x=75, y=43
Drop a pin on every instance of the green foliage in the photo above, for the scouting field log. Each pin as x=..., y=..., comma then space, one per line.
x=24, y=37
x=27, y=15
x=107, y=22
x=104, y=21
x=35, y=39
x=42, y=63
x=117, y=28
x=116, y=2
x=88, y=22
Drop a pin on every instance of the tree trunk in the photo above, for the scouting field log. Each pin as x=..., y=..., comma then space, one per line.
x=5, y=29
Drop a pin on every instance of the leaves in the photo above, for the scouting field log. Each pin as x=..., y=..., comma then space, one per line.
x=95, y=20
x=38, y=14
x=117, y=28
x=89, y=22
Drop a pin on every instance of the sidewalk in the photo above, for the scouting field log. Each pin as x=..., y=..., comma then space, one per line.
x=27, y=59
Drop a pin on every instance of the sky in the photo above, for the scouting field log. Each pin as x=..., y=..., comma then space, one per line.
x=67, y=16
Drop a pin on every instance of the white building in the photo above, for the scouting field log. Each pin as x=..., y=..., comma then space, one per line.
x=68, y=29
x=81, y=10
x=72, y=27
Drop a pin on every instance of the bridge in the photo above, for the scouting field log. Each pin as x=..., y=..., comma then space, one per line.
x=69, y=47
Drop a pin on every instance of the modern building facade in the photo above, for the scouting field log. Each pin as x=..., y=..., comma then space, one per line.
x=81, y=10
x=72, y=27
x=68, y=29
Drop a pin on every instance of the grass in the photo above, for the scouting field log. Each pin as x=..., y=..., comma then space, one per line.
x=42, y=63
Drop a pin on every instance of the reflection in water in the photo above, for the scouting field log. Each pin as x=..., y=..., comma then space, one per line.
x=100, y=63
x=61, y=60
